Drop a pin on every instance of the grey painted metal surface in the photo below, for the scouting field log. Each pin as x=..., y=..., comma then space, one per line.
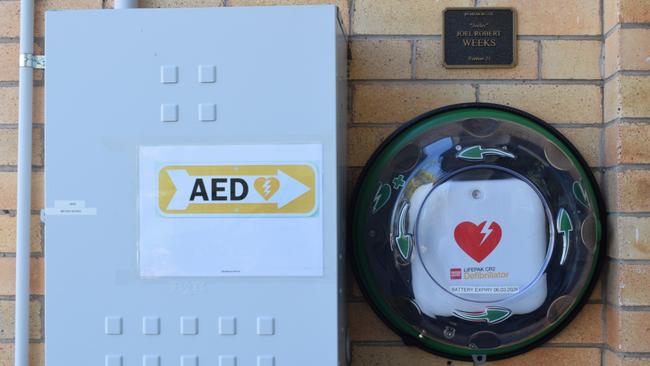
x=279, y=79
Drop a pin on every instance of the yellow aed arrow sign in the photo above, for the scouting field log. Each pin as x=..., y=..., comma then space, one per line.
x=237, y=189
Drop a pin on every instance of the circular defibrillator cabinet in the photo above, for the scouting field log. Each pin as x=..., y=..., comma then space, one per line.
x=477, y=231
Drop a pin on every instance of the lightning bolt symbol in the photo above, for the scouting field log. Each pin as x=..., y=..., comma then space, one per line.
x=267, y=187
x=375, y=200
x=486, y=230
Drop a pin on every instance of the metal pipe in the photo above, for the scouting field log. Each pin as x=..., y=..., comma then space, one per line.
x=23, y=215
x=125, y=4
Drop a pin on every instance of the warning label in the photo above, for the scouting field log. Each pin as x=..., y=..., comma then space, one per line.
x=484, y=290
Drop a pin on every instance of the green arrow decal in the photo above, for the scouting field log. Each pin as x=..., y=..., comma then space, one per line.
x=403, y=240
x=491, y=315
x=580, y=194
x=564, y=226
x=477, y=152
x=381, y=197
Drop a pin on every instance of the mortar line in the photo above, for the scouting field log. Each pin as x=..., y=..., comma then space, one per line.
x=12, y=340
x=628, y=120
x=377, y=125
x=574, y=125
x=377, y=343
x=605, y=270
x=32, y=254
x=618, y=26
x=539, y=60
x=351, y=10
x=41, y=313
x=602, y=86
x=388, y=343
x=351, y=95
x=630, y=308
x=629, y=354
x=577, y=125
x=640, y=214
x=627, y=167
x=13, y=126
x=559, y=37
x=611, y=31
x=634, y=120
x=572, y=345
x=629, y=261
x=12, y=212
x=413, y=59
x=596, y=82
x=635, y=25
x=32, y=297
x=439, y=36
x=41, y=243
x=14, y=168
x=14, y=83
x=618, y=73
x=379, y=37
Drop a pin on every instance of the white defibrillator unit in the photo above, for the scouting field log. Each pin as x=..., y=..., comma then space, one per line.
x=195, y=187
x=483, y=242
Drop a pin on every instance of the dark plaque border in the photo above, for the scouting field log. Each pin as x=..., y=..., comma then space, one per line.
x=480, y=65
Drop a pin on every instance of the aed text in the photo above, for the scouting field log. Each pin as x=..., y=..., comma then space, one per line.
x=220, y=189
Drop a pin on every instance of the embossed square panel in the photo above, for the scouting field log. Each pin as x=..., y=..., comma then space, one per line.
x=113, y=360
x=265, y=325
x=265, y=361
x=151, y=325
x=227, y=360
x=189, y=360
x=113, y=325
x=207, y=74
x=169, y=112
x=168, y=74
x=207, y=112
x=227, y=325
x=189, y=325
x=150, y=360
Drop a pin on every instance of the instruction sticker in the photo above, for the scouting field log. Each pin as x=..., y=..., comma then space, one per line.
x=237, y=189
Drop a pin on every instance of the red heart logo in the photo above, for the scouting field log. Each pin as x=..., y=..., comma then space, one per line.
x=475, y=241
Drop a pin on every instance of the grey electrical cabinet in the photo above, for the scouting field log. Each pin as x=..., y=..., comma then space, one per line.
x=195, y=187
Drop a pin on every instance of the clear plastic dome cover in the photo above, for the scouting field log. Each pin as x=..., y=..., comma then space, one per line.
x=476, y=231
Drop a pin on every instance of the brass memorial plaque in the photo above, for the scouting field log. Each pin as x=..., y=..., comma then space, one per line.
x=479, y=37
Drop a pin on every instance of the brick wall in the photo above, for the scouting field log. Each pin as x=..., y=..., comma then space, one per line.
x=584, y=66
x=626, y=159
